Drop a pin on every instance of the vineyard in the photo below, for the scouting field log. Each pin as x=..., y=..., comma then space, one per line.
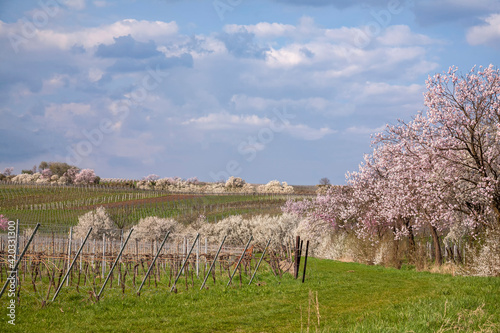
x=180, y=262
x=56, y=259
x=62, y=205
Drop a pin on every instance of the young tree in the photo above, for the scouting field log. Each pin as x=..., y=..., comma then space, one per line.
x=8, y=171
x=324, y=181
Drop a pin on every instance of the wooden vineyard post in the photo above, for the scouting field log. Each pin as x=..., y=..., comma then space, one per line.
x=184, y=263
x=13, y=271
x=305, y=262
x=239, y=261
x=72, y=263
x=152, y=263
x=213, y=262
x=297, y=256
x=114, y=264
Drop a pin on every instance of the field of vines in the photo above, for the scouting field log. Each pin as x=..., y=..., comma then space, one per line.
x=49, y=212
x=62, y=205
x=90, y=266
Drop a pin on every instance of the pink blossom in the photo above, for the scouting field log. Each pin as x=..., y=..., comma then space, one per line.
x=4, y=222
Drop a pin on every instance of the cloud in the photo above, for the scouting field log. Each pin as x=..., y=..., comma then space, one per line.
x=402, y=35
x=127, y=47
x=124, y=65
x=363, y=130
x=316, y=105
x=88, y=37
x=488, y=33
x=226, y=121
x=262, y=29
x=241, y=44
x=221, y=121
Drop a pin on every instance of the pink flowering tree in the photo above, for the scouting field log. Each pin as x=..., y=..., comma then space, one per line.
x=464, y=128
x=4, y=222
x=193, y=180
x=46, y=174
x=85, y=176
x=151, y=178
x=439, y=171
x=70, y=175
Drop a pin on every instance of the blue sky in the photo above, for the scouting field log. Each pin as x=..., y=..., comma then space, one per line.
x=263, y=90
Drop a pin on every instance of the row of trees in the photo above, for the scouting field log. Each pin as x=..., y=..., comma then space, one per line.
x=439, y=173
x=55, y=172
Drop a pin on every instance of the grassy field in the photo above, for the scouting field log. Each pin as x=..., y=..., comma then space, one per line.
x=336, y=297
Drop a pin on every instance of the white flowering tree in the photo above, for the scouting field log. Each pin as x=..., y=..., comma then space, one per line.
x=274, y=186
x=154, y=228
x=101, y=223
x=279, y=229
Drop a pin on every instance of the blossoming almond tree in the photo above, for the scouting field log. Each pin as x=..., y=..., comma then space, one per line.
x=440, y=170
x=4, y=222
x=85, y=176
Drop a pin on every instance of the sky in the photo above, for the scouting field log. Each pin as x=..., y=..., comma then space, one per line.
x=262, y=90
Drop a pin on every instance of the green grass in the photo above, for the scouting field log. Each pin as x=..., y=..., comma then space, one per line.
x=351, y=298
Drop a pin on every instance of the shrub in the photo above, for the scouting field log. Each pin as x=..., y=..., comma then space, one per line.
x=279, y=229
x=274, y=186
x=486, y=258
x=234, y=182
x=154, y=228
x=25, y=178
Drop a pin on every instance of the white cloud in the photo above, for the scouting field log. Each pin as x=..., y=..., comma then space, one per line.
x=374, y=89
x=402, y=35
x=307, y=133
x=218, y=121
x=241, y=102
x=226, y=121
x=488, y=33
x=363, y=130
x=90, y=37
x=263, y=29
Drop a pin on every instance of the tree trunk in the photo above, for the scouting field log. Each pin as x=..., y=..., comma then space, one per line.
x=437, y=246
x=411, y=241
